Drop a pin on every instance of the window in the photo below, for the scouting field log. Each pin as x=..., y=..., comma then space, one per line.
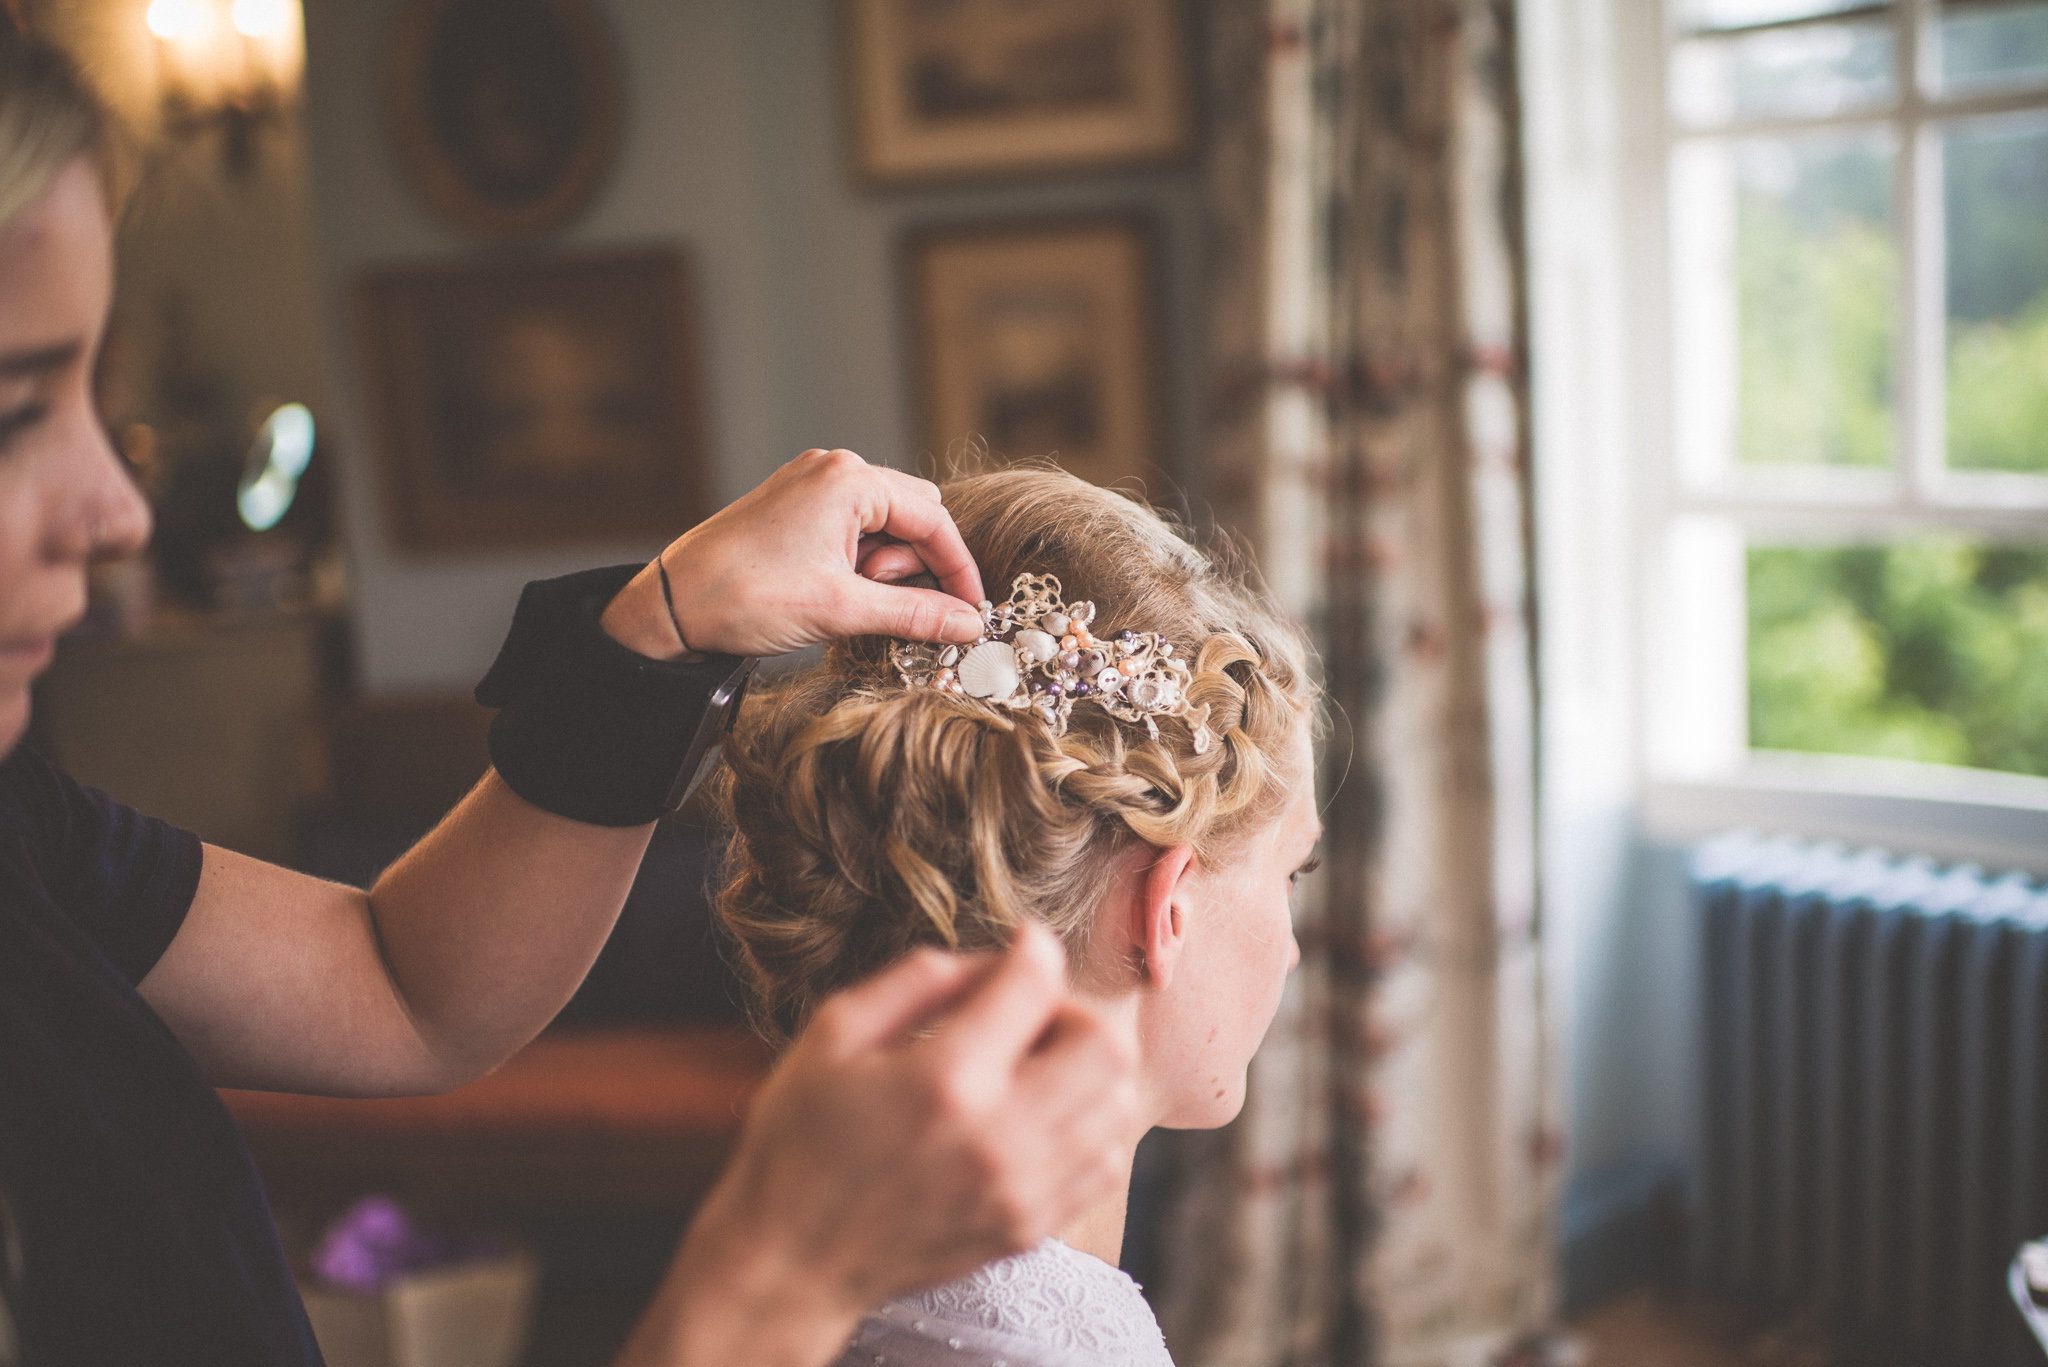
x=1853, y=497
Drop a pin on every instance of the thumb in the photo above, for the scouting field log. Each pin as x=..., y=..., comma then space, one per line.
x=871, y=609
x=886, y=1007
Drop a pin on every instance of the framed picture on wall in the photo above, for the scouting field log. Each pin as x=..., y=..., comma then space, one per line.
x=504, y=114
x=536, y=401
x=975, y=88
x=1039, y=340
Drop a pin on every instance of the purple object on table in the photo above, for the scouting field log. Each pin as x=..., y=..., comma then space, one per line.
x=376, y=1242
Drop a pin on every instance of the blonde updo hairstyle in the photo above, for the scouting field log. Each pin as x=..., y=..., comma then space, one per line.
x=49, y=117
x=868, y=818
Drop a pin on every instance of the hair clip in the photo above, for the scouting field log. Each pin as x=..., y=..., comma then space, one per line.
x=1037, y=654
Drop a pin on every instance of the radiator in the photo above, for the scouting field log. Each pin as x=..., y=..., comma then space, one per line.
x=1874, y=1133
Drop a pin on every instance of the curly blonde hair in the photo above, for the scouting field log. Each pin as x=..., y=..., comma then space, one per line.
x=868, y=818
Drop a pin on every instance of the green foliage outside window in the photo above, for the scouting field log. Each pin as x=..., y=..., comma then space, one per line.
x=1931, y=649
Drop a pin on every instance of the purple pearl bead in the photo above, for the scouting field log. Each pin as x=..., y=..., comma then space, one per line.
x=1082, y=690
x=1053, y=690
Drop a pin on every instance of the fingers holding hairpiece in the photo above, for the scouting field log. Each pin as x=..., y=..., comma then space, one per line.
x=908, y=509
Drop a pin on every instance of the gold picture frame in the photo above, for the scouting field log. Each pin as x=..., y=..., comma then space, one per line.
x=505, y=115
x=540, y=401
x=1039, y=339
x=966, y=89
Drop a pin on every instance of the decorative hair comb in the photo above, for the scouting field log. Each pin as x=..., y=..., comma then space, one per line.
x=1036, y=654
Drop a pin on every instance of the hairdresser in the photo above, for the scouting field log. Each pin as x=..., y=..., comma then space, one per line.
x=913, y=1133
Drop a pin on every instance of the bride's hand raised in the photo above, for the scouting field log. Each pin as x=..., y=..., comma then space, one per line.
x=808, y=556
x=947, y=1112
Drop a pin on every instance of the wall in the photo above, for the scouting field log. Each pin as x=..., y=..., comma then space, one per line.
x=735, y=150
x=1620, y=943
x=235, y=251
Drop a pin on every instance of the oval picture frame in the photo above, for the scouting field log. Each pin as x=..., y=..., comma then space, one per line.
x=505, y=114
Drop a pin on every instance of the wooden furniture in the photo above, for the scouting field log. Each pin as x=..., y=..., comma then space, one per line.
x=632, y=1119
x=203, y=722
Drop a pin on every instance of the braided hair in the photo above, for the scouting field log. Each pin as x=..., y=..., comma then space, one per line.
x=869, y=819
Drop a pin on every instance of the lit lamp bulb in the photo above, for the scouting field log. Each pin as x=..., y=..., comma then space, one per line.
x=182, y=29
x=273, y=35
x=171, y=20
x=230, y=67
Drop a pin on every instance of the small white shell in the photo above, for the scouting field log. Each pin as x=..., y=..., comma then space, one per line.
x=949, y=657
x=1055, y=623
x=1146, y=693
x=1035, y=646
x=989, y=671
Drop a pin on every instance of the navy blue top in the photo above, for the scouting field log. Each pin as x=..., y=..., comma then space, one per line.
x=145, y=1235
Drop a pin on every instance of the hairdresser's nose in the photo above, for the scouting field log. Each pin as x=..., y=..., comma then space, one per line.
x=102, y=515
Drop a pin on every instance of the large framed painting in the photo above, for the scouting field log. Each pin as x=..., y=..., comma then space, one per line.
x=505, y=114
x=956, y=89
x=1039, y=340
x=536, y=401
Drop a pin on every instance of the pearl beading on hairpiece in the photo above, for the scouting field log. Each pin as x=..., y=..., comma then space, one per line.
x=1037, y=654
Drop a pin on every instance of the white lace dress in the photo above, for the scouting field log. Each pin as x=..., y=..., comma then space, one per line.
x=1051, y=1307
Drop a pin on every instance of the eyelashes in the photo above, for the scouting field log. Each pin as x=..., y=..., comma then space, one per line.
x=1306, y=869
x=20, y=420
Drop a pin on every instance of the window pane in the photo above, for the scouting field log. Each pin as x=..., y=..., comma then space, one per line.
x=1989, y=45
x=1925, y=650
x=1812, y=69
x=1699, y=14
x=1996, y=191
x=1817, y=300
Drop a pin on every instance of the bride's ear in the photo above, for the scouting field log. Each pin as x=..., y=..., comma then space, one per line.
x=1161, y=914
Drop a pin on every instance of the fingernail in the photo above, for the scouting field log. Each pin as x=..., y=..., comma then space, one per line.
x=962, y=625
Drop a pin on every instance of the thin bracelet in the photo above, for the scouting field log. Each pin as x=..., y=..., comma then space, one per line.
x=668, y=596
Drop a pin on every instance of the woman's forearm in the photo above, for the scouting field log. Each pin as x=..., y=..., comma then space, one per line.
x=488, y=925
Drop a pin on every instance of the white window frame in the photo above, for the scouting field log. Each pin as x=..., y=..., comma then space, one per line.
x=1642, y=658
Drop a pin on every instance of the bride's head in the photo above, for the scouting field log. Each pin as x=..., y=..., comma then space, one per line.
x=870, y=817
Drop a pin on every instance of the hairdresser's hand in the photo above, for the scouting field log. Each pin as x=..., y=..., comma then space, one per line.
x=811, y=555
x=945, y=1113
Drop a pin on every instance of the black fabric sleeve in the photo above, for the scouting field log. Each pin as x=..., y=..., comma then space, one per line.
x=587, y=728
x=126, y=879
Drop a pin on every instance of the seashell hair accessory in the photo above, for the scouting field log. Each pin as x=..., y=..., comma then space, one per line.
x=1037, y=654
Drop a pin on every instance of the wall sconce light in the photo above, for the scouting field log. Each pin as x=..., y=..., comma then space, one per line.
x=227, y=66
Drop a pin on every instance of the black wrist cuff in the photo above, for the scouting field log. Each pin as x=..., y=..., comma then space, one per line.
x=587, y=728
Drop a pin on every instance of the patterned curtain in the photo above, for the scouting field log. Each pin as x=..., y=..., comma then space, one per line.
x=1388, y=1195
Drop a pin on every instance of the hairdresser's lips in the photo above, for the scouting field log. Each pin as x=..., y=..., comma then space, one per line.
x=29, y=657
x=31, y=654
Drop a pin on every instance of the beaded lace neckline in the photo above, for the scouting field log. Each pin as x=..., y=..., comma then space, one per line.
x=1069, y=1306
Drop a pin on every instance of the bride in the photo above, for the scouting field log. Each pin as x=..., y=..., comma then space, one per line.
x=1125, y=759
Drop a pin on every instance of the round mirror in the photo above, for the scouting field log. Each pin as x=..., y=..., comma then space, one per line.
x=278, y=457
